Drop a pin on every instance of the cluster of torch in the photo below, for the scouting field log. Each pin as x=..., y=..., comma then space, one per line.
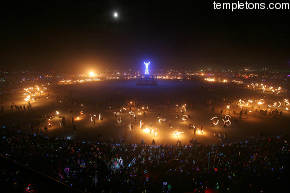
x=79, y=117
x=256, y=86
x=52, y=118
x=91, y=76
x=66, y=82
x=281, y=105
x=169, y=77
x=265, y=88
x=214, y=80
x=34, y=92
x=251, y=104
x=184, y=117
x=93, y=117
x=131, y=109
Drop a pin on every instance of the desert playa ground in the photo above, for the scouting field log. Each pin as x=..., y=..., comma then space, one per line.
x=168, y=112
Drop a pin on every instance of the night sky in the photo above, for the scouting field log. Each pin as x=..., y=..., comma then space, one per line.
x=74, y=35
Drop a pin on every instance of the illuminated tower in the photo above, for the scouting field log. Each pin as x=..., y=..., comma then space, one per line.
x=146, y=67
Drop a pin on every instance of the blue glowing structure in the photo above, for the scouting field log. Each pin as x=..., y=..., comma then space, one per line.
x=146, y=67
x=146, y=79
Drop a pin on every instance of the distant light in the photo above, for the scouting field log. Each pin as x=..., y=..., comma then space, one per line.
x=91, y=74
x=146, y=130
x=177, y=134
x=77, y=118
x=200, y=132
x=210, y=79
x=115, y=14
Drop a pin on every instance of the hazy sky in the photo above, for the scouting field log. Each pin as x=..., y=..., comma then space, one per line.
x=72, y=35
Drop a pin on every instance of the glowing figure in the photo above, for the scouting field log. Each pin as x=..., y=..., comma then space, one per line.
x=147, y=68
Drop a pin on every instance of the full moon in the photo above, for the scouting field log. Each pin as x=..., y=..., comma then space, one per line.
x=115, y=14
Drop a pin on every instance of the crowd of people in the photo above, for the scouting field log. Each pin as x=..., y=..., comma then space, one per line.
x=18, y=108
x=255, y=164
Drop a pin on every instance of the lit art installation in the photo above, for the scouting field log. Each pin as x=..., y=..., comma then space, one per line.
x=146, y=79
x=227, y=121
x=146, y=68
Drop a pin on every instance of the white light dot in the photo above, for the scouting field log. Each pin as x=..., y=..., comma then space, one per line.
x=115, y=14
